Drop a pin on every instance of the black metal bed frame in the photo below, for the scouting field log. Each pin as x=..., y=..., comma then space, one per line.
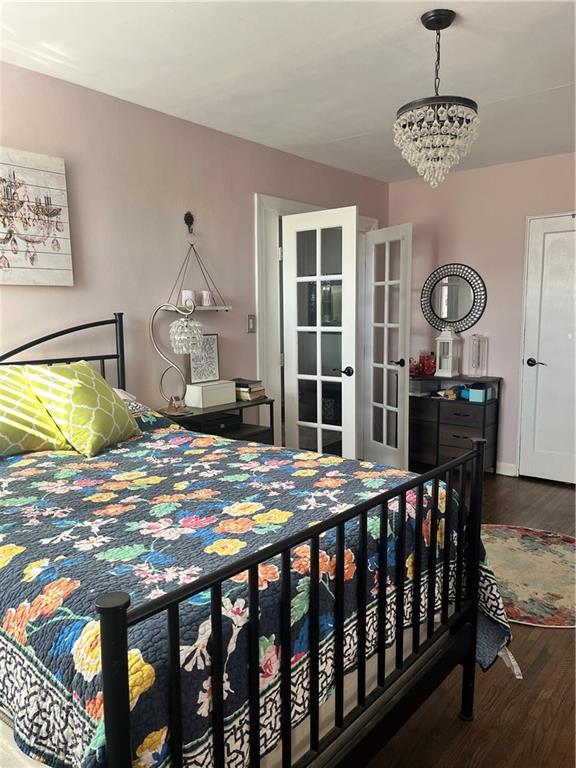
x=378, y=715
x=358, y=735
x=117, y=321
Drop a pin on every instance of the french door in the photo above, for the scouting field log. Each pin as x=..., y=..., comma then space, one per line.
x=319, y=287
x=386, y=326
x=547, y=446
x=346, y=300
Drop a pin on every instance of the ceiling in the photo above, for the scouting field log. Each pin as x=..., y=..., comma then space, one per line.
x=322, y=80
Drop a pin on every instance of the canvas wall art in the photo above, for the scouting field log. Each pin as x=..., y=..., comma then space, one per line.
x=205, y=365
x=34, y=225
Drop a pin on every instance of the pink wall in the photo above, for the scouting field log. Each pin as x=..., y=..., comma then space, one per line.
x=132, y=173
x=478, y=218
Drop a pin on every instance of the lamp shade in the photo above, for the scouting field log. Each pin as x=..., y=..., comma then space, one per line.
x=185, y=336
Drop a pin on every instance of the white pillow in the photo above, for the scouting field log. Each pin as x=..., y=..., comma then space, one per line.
x=132, y=403
x=123, y=395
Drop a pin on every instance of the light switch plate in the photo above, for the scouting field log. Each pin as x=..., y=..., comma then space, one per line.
x=251, y=324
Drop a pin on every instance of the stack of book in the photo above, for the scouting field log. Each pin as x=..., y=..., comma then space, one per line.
x=249, y=389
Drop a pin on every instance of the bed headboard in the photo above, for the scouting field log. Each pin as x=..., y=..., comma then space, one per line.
x=116, y=321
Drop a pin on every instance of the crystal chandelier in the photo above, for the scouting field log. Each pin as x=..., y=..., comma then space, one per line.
x=434, y=133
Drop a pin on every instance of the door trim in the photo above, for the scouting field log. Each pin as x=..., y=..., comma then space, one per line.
x=267, y=211
x=504, y=468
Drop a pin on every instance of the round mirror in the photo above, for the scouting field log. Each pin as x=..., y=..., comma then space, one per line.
x=453, y=296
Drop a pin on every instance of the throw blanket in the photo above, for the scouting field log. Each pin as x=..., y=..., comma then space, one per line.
x=150, y=515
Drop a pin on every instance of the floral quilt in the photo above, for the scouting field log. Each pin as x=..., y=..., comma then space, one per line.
x=155, y=513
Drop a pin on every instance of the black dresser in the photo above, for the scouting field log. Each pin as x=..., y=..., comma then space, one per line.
x=440, y=430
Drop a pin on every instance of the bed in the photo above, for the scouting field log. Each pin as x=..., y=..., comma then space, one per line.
x=183, y=599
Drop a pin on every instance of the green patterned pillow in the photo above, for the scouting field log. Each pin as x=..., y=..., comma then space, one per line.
x=25, y=425
x=89, y=413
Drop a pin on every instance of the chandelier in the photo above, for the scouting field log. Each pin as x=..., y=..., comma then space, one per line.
x=434, y=133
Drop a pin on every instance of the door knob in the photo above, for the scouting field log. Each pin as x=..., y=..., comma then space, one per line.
x=401, y=363
x=532, y=362
x=348, y=371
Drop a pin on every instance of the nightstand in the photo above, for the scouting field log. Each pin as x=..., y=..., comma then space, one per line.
x=228, y=421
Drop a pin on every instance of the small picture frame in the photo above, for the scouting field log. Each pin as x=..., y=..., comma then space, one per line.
x=205, y=364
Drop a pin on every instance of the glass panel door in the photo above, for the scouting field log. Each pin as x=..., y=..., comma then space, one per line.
x=387, y=331
x=319, y=330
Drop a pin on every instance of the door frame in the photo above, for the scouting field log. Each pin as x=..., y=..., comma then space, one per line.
x=505, y=469
x=267, y=213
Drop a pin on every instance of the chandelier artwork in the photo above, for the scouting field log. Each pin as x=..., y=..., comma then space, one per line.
x=35, y=246
x=434, y=133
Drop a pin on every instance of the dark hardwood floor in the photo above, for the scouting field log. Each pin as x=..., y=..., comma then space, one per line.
x=518, y=723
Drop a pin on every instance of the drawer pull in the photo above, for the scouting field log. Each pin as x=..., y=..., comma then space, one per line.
x=460, y=437
x=462, y=415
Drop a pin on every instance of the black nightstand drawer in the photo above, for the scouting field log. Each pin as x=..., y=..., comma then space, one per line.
x=227, y=421
x=217, y=424
x=222, y=425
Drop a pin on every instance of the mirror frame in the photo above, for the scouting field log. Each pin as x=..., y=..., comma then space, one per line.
x=479, y=294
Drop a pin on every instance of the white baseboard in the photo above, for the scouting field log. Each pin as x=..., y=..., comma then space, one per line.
x=506, y=469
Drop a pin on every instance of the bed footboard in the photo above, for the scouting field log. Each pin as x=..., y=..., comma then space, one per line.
x=449, y=634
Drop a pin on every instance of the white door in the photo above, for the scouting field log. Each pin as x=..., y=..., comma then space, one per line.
x=319, y=296
x=548, y=410
x=386, y=325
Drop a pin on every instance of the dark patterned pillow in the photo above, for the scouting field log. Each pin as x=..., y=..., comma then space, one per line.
x=136, y=408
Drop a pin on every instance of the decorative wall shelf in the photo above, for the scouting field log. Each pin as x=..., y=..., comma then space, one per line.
x=208, y=308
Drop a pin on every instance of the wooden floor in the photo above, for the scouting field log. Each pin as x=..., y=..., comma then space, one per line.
x=518, y=723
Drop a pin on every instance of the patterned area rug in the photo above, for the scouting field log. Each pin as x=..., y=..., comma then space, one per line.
x=535, y=571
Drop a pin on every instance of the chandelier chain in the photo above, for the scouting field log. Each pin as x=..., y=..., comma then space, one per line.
x=437, y=67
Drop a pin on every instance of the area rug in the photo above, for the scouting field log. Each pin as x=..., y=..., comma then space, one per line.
x=535, y=571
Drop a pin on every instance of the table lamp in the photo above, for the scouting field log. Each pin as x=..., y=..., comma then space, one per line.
x=185, y=339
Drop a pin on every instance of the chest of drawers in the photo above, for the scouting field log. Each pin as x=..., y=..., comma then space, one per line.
x=441, y=430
